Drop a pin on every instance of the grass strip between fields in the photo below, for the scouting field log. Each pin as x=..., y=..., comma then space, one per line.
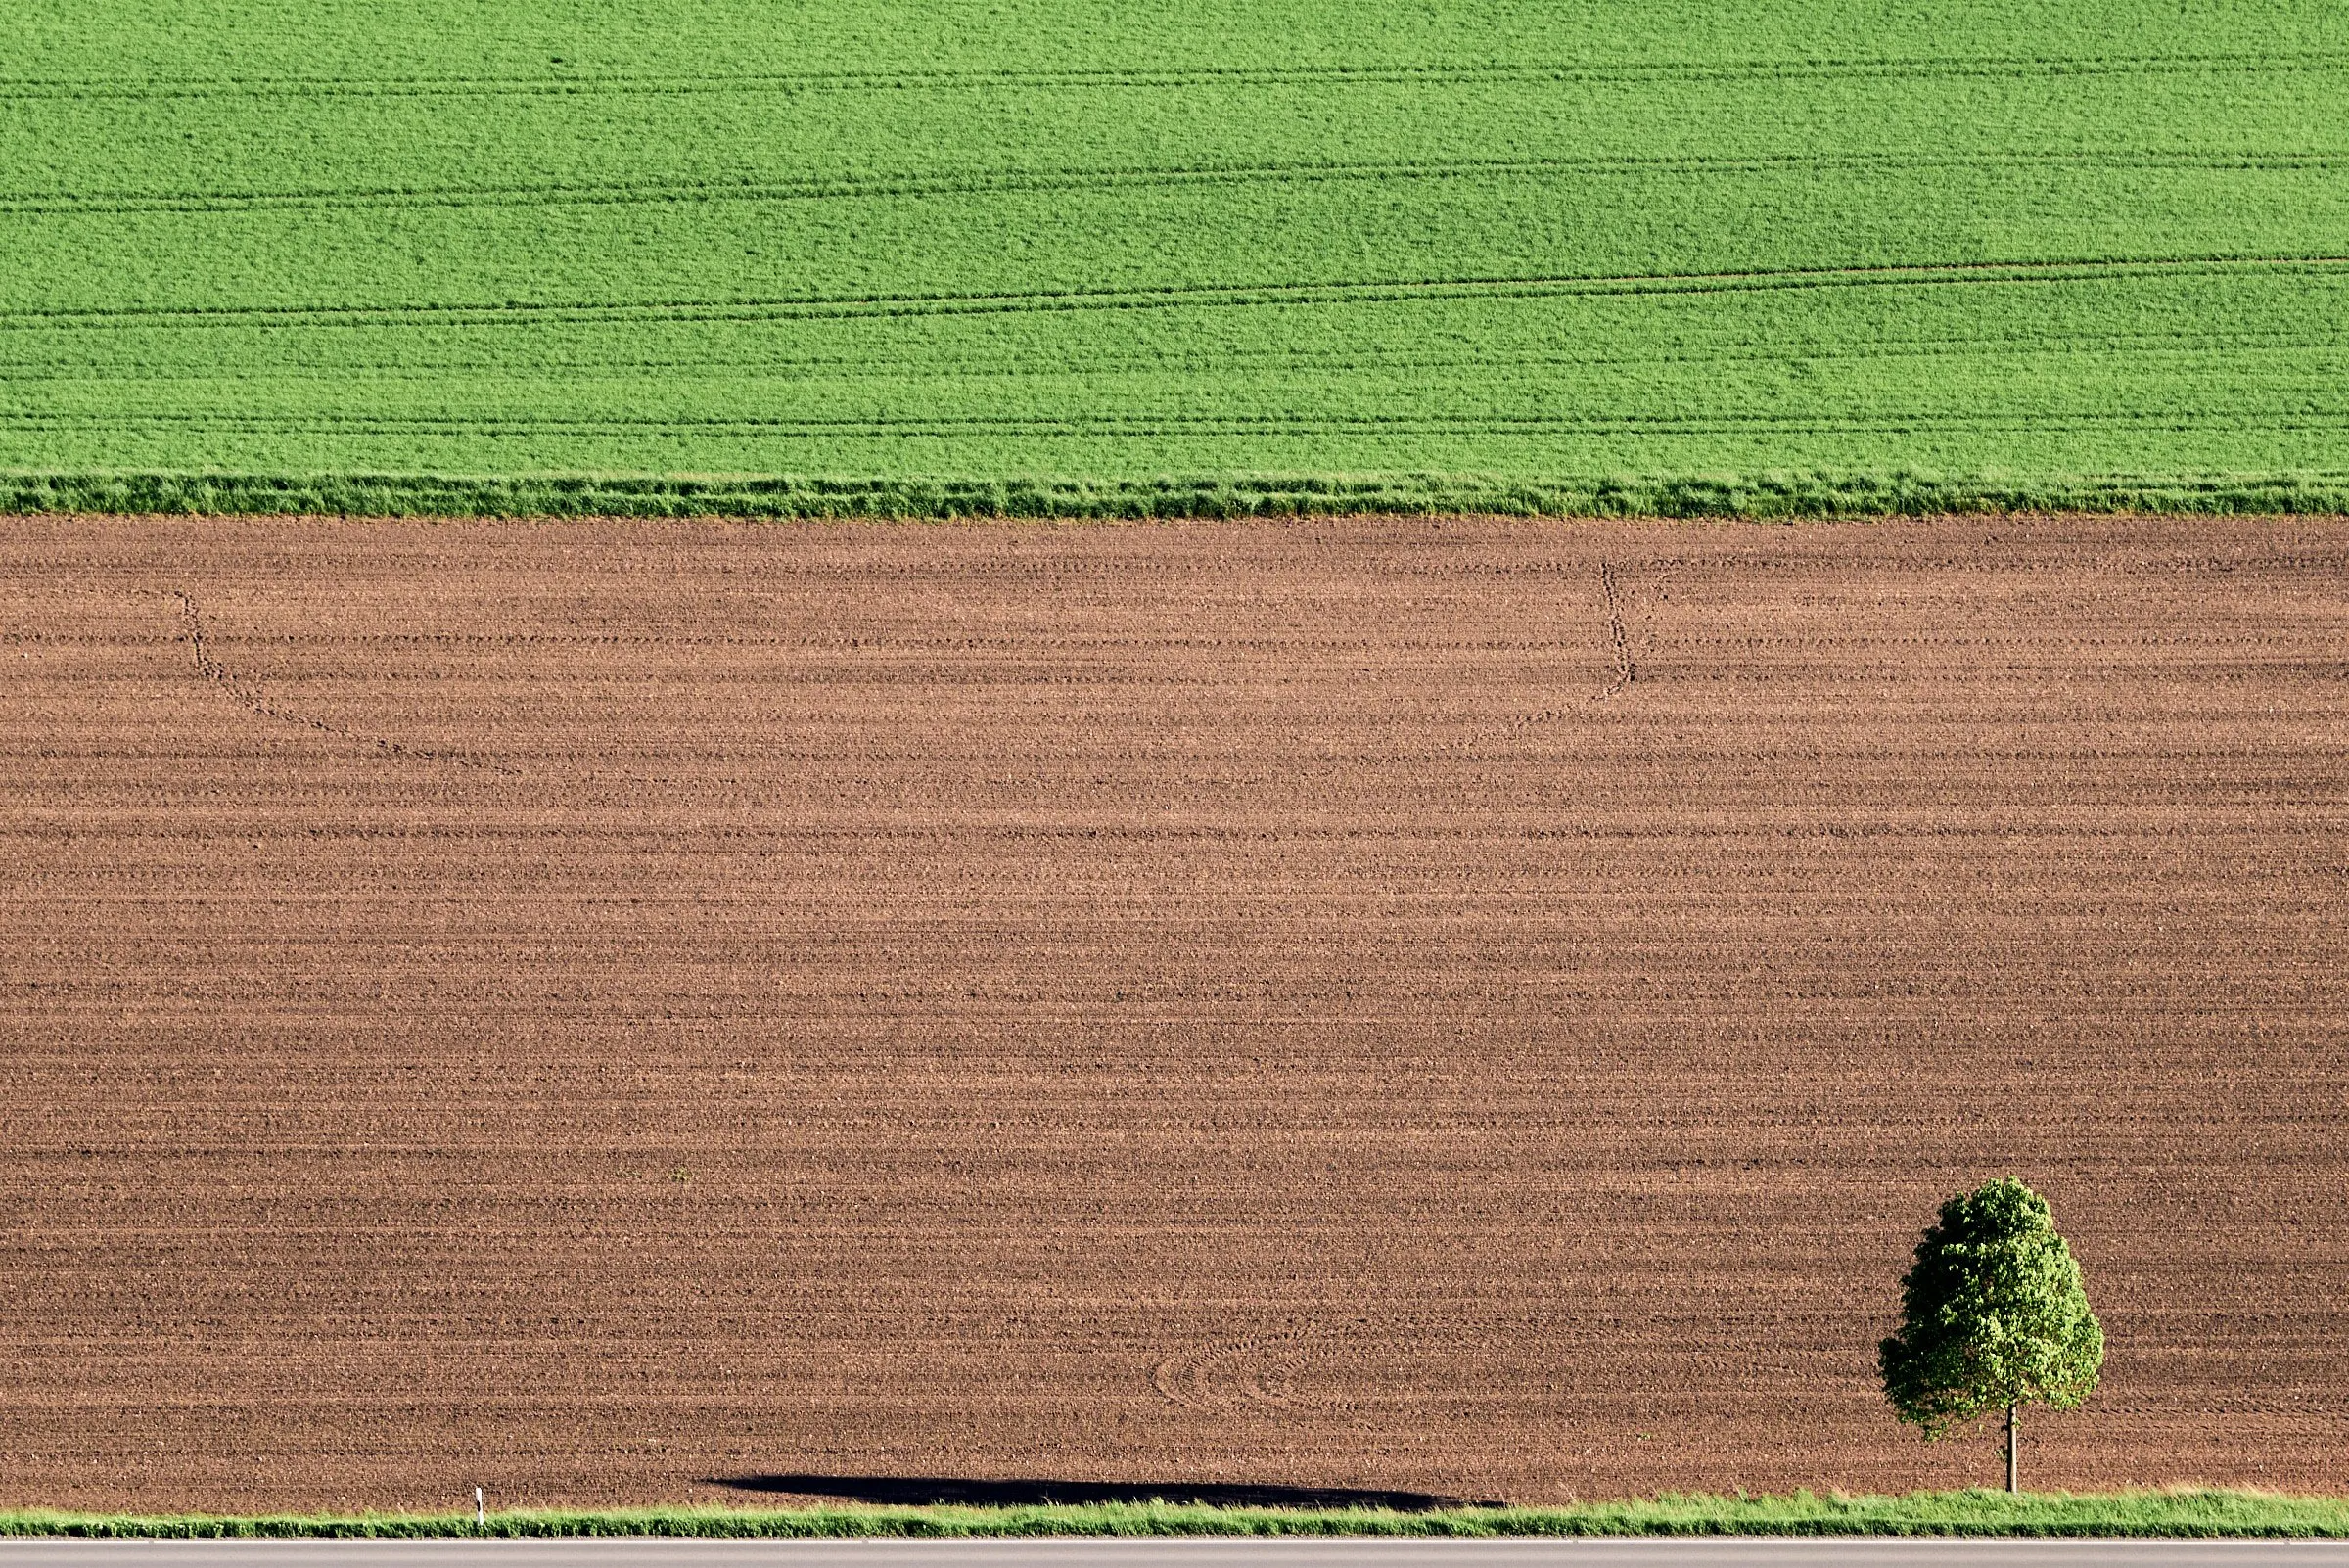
x=2173, y=1512
x=1761, y=495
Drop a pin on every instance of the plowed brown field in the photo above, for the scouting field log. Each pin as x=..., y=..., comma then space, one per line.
x=604, y=1008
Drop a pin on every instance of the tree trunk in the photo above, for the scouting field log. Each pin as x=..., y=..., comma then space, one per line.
x=2013, y=1439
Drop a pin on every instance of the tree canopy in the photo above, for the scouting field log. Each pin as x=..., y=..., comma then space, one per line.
x=1993, y=1314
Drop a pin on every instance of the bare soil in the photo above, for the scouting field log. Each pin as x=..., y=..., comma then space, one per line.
x=606, y=1009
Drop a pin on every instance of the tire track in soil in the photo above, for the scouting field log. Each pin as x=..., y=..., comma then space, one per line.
x=256, y=700
x=1196, y=1378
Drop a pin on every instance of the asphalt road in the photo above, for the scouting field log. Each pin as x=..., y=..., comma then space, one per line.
x=1714, y=1553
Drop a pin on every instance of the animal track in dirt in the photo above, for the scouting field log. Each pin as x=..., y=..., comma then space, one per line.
x=1618, y=600
x=1626, y=671
x=1259, y=1369
x=256, y=700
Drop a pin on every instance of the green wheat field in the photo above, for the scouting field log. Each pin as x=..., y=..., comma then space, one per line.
x=1058, y=256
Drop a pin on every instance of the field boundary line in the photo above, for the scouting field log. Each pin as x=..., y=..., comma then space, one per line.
x=1820, y=492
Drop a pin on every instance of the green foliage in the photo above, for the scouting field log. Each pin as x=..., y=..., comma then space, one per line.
x=1761, y=495
x=1039, y=255
x=2183, y=1513
x=1993, y=1314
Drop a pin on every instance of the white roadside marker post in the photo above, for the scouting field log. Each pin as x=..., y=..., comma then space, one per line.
x=481, y=1515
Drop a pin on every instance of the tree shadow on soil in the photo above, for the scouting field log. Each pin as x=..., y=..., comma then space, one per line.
x=917, y=1491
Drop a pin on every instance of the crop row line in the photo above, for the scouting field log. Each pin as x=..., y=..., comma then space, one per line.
x=559, y=193
x=1175, y=295
x=32, y=87
x=2306, y=419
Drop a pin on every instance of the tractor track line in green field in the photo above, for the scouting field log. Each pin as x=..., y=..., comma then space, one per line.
x=1159, y=425
x=1175, y=295
x=1987, y=66
x=51, y=204
x=26, y=373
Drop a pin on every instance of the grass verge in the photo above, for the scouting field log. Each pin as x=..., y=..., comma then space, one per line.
x=1758, y=495
x=2175, y=1512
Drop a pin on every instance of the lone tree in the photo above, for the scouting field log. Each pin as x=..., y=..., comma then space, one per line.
x=1992, y=1314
